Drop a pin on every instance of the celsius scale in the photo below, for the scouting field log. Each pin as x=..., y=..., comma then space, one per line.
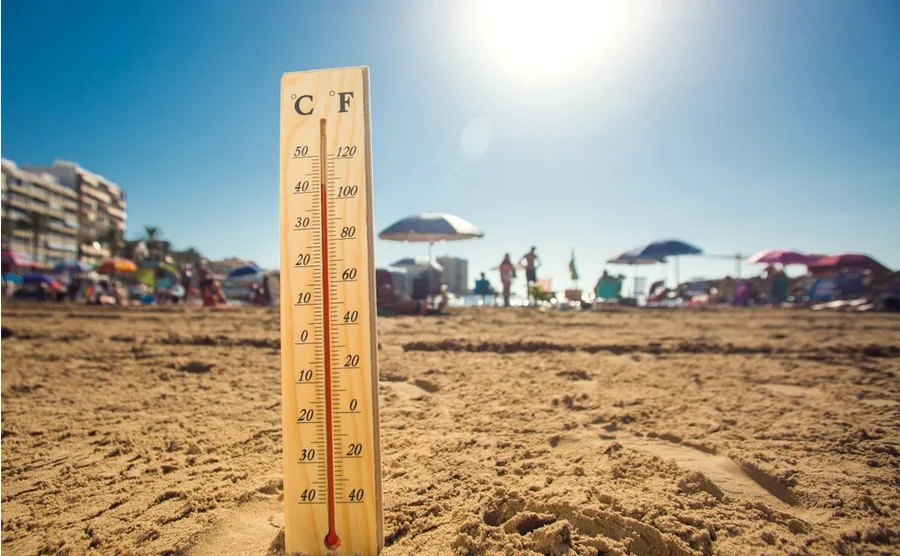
x=329, y=374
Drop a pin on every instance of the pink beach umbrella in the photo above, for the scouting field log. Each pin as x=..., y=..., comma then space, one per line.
x=780, y=256
x=857, y=261
x=13, y=258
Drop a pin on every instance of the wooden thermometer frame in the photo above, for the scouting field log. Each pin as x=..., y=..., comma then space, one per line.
x=329, y=357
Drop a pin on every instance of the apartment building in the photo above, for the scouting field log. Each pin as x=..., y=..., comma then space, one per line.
x=101, y=204
x=456, y=274
x=23, y=192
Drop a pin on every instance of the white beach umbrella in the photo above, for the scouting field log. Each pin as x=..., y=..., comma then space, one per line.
x=430, y=227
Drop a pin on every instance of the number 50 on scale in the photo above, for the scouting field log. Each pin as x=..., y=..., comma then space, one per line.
x=332, y=463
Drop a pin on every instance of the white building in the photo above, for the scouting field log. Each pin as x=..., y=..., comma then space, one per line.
x=456, y=274
x=101, y=204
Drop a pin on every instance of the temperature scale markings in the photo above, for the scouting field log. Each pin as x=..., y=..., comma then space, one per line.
x=332, y=540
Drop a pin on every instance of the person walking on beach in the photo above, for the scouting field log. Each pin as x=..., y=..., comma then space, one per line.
x=187, y=274
x=507, y=273
x=531, y=262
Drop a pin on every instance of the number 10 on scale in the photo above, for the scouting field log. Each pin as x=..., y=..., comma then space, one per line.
x=332, y=463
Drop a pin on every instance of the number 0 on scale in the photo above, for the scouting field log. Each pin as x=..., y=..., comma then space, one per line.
x=329, y=375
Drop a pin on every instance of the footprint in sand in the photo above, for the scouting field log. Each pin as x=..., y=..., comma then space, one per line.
x=415, y=391
x=793, y=391
x=255, y=527
x=740, y=481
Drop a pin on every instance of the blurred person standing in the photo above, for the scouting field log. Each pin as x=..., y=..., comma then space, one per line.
x=507, y=274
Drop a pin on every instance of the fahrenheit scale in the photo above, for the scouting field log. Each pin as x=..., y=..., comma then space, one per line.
x=332, y=465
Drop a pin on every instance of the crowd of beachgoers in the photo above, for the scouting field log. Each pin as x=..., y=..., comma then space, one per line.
x=159, y=284
x=856, y=283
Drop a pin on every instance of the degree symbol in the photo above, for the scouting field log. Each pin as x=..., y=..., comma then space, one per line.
x=293, y=97
x=331, y=93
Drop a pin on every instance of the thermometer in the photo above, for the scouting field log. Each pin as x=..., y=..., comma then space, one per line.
x=329, y=375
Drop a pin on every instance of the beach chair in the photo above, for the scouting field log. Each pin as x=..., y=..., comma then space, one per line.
x=574, y=296
x=484, y=289
x=741, y=295
x=821, y=290
x=608, y=291
x=849, y=285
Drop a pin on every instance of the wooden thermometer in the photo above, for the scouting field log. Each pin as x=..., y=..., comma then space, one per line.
x=329, y=374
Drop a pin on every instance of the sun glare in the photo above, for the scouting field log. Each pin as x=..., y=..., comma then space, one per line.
x=556, y=40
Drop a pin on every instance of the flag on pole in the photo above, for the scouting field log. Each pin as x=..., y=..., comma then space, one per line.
x=572, y=270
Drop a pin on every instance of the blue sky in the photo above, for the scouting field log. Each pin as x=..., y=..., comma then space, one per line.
x=734, y=126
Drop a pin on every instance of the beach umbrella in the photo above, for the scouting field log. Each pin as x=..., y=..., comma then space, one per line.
x=244, y=271
x=430, y=227
x=666, y=248
x=856, y=261
x=14, y=258
x=116, y=265
x=418, y=262
x=780, y=256
x=14, y=278
x=37, y=278
x=74, y=267
x=630, y=259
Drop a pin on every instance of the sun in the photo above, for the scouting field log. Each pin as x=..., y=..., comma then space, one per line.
x=555, y=40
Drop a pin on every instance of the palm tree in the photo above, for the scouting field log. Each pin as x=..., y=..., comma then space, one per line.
x=189, y=255
x=114, y=239
x=37, y=224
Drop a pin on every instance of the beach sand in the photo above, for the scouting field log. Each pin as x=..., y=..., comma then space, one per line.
x=155, y=431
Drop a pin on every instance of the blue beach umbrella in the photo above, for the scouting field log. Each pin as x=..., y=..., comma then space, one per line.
x=74, y=267
x=632, y=260
x=666, y=248
x=14, y=278
x=36, y=278
x=243, y=271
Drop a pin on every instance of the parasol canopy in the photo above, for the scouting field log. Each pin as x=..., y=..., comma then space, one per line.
x=116, y=265
x=430, y=227
x=37, y=278
x=418, y=262
x=781, y=256
x=14, y=258
x=665, y=248
x=14, y=278
x=244, y=271
x=73, y=267
x=856, y=261
x=630, y=259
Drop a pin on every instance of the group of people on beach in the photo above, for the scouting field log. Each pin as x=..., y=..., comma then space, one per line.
x=91, y=289
x=530, y=262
